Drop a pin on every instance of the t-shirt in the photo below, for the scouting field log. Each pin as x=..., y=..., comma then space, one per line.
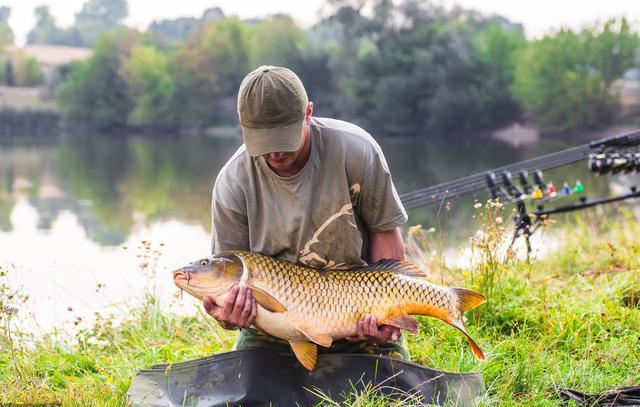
x=319, y=217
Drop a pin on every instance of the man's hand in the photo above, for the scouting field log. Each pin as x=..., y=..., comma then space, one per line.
x=238, y=311
x=367, y=330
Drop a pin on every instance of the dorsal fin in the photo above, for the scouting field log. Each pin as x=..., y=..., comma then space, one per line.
x=396, y=266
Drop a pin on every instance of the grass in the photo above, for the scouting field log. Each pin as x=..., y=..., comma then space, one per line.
x=568, y=320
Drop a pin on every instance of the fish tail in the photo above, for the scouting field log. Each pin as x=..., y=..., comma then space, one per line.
x=474, y=346
x=466, y=300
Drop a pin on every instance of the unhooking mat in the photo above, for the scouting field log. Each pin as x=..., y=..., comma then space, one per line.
x=253, y=377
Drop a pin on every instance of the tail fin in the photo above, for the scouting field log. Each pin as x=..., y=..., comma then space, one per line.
x=474, y=346
x=468, y=299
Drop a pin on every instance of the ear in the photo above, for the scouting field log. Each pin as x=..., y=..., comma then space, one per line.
x=309, y=113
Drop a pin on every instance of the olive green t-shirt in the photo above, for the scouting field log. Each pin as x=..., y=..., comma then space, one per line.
x=321, y=216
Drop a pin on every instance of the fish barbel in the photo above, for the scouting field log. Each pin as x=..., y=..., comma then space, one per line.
x=310, y=307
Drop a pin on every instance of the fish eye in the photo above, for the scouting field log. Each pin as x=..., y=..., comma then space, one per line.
x=204, y=262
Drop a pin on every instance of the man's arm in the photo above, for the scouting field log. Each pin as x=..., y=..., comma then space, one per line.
x=386, y=245
x=230, y=232
x=382, y=245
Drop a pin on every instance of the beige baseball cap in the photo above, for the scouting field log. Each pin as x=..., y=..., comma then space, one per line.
x=272, y=103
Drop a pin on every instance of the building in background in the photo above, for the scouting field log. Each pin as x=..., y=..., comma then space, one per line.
x=48, y=61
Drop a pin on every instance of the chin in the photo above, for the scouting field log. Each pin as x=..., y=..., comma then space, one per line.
x=285, y=165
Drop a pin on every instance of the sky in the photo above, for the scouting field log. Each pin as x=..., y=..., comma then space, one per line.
x=538, y=16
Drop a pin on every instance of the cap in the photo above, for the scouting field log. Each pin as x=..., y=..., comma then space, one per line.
x=272, y=103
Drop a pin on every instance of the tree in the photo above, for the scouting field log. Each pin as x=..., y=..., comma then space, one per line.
x=209, y=67
x=150, y=85
x=97, y=17
x=6, y=35
x=496, y=46
x=611, y=49
x=426, y=77
x=173, y=32
x=563, y=80
x=413, y=65
x=8, y=76
x=95, y=92
x=27, y=71
x=45, y=31
x=276, y=41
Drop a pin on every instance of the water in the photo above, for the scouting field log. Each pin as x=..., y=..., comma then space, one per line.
x=74, y=211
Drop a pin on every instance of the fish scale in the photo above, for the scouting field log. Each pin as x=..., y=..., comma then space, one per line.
x=324, y=291
x=307, y=306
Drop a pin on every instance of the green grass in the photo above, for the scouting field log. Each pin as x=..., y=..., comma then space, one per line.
x=569, y=320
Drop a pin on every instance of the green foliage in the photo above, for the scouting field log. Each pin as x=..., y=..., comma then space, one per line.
x=275, y=41
x=27, y=71
x=95, y=92
x=209, y=67
x=563, y=80
x=150, y=85
x=414, y=66
x=496, y=47
x=407, y=66
x=425, y=78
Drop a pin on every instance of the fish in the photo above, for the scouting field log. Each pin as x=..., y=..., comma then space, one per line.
x=309, y=307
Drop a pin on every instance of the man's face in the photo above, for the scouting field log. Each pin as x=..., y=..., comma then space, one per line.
x=292, y=160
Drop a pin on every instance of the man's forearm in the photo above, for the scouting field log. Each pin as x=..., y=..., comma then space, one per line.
x=386, y=245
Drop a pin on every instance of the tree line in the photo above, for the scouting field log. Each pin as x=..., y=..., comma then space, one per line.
x=19, y=70
x=407, y=66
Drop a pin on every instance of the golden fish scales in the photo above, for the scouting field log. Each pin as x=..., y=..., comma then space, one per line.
x=308, y=306
x=341, y=298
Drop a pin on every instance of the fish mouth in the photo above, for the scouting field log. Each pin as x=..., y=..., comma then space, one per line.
x=182, y=280
x=181, y=277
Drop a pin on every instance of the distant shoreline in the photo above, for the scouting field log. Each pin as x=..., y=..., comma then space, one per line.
x=45, y=122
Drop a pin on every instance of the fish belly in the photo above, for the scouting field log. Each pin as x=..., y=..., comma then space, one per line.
x=278, y=324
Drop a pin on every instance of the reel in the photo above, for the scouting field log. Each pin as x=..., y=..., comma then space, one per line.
x=614, y=162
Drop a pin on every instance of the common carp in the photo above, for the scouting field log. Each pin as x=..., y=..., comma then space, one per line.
x=310, y=307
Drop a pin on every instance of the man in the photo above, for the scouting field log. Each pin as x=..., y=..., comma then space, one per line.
x=307, y=190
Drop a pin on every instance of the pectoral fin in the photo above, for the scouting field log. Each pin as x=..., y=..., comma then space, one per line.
x=306, y=352
x=319, y=338
x=267, y=301
x=401, y=321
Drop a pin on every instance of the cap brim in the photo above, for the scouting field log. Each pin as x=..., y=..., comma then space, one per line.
x=278, y=139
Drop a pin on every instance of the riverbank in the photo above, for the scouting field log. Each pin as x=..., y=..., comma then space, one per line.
x=571, y=320
x=29, y=123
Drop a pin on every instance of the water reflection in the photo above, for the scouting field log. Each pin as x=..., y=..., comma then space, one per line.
x=111, y=182
x=114, y=183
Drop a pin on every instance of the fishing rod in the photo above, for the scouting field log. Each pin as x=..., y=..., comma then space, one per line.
x=472, y=183
x=610, y=155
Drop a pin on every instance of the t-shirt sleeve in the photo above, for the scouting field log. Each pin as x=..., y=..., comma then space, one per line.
x=229, y=226
x=379, y=204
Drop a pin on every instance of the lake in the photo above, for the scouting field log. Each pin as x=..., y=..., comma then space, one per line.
x=89, y=223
